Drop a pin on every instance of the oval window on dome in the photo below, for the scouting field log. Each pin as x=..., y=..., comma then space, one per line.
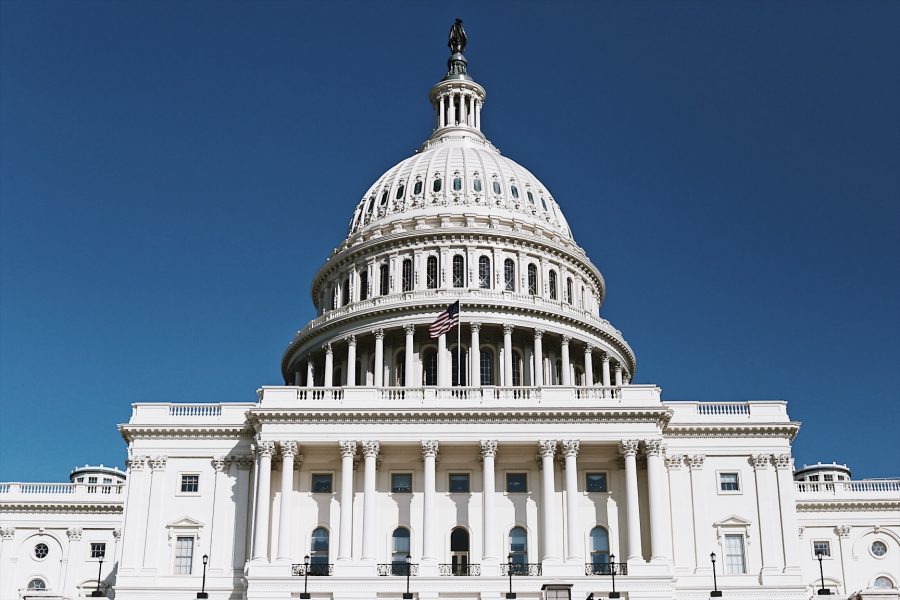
x=515, y=191
x=477, y=185
x=400, y=191
x=384, y=197
x=437, y=185
x=457, y=184
x=371, y=205
x=417, y=189
x=531, y=197
x=496, y=187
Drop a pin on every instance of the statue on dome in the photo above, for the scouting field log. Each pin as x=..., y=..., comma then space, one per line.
x=457, y=42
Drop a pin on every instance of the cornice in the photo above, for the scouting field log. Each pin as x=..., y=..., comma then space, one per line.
x=185, y=432
x=834, y=505
x=743, y=430
x=66, y=506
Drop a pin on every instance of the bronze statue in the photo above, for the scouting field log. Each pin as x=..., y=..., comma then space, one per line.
x=457, y=41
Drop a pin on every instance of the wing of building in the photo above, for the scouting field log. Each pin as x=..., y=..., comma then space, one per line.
x=515, y=453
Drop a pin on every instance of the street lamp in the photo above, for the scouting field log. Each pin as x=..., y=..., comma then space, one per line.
x=612, y=563
x=509, y=568
x=822, y=591
x=407, y=595
x=202, y=593
x=305, y=594
x=97, y=593
x=716, y=593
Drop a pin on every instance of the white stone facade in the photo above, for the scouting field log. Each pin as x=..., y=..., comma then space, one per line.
x=519, y=438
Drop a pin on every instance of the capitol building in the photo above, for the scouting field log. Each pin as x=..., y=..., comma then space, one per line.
x=514, y=450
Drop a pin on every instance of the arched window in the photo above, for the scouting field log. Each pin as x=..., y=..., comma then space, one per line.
x=363, y=284
x=459, y=551
x=385, y=280
x=429, y=367
x=532, y=279
x=371, y=205
x=407, y=275
x=37, y=584
x=518, y=550
x=477, y=185
x=457, y=184
x=883, y=583
x=458, y=376
x=345, y=292
x=496, y=187
x=515, y=191
x=516, y=369
x=599, y=549
x=509, y=275
x=543, y=203
x=431, y=273
x=400, y=369
x=486, y=363
x=400, y=190
x=569, y=297
x=399, y=550
x=318, y=552
x=484, y=272
x=552, y=282
x=436, y=186
x=417, y=188
x=459, y=273
x=530, y=198
x=384, y=195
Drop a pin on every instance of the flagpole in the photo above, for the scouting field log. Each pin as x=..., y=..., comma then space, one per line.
x=459, y=347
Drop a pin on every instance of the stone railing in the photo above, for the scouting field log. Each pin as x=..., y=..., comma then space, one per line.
x=219, y=413
x=866, y=488
x=195, y=410
x=753, y=411
x=719, y=409
x=31, y=491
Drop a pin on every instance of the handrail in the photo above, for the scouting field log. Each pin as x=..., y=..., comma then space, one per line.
x=849, y=487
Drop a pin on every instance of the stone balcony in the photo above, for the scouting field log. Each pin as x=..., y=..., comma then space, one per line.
x=872, y=489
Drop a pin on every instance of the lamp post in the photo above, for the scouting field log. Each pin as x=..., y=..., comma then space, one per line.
x=202, y=593
x=97, y=593
x=822, y=591
x=509, y=569
x=612, y=563
x=715, y=593
x=407, y=595
x=305, y=594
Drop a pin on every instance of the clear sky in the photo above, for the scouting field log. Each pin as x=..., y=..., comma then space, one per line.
x=172, y=174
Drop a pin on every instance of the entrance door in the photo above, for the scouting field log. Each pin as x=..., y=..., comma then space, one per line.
x=459, y=551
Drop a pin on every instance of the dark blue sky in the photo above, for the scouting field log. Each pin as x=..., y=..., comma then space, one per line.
x=173, y=173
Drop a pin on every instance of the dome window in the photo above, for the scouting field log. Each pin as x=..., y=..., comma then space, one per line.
x=532, y=279
x=345, y=292
x=363, y=284
x=371, y=205
x=569, y=297
x=496, y=187
x=417, y=189
x=407, y=275
x=400, y=191
x=384, y=198
x=431, y=273
x=477, y=185
x=484, y=272
x=552, y=282
x=515, y=191
x=437, y=185
x=509, y=275
x=543, y=203
x=384, y=281
x=530, y=197
x=459, y=274
x=457, y=184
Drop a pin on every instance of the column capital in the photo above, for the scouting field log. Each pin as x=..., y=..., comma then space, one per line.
x=843, y=530
x=538, y=334
x=289, y=448
x=629, y=447
x=547, y=448
x=220, y=463
x=761, y=462
x=604, y=356
x=488, y=448
x=348, y=448
x=570, y=447
x=117, y=533
x=7, y=533
x=158, y=463
x=653, y=447
x=675, y=462
x=589, y=348
x=327, y=347
x=244, y=462
x=695, y=462
x=429, y=448
x=350, y=339
x=137, y=463
x=74, y=533
x=566, y=339
x=617, y=368
x=378, y=333
x=371, y=448
x=264, y=448
x=409, y=328
x=507, y=329
x=783, y=461
x=475, y=326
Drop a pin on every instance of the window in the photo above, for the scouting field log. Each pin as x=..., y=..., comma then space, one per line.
x=334, y=293
x=184, y=555
x=321, y=483
x=517, y=369
x=399, y=192
x=371, y=205
x=431, y=273
x=37, y=585
x=878, y=548
x=457, y=184
x=477, y=185
x=459, y=483
x=530, y=198
x=552, y=281
x=98, y=550
x=484, y=272
x=496, y=187
x=401, y=483
x=487, y=367
x=459, y=279
x=823, y=548
x=543, y=203
x=532, y=279
x=595, y=482
x=828, y=477
x=417, y=189
x=515, y=191
x=363, y=285
x=457, y=375
x=509, y=275
x=557, y=592
x=437, y=185
x=883, y=583
x=729, y=482
x=400, y=369
x=599, y=547
x=735, y=563
x=384, y=280
x=190, y=484
x=516, y=483
x=345, y=292
x=407, y=275
x=518, y=547
x=384, y=196
x=569, y=296
x=399, y=549
x=459, y=551
x=430, y=367
x=41, y=551
x=318, y=552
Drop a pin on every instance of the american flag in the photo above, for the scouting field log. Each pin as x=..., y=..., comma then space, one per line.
x=445, y=321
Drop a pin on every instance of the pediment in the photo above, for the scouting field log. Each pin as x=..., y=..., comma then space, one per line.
x=732, y=521
x=185, y=523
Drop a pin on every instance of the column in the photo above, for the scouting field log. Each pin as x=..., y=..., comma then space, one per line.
x=701, y=520
x=784, y=473
x=348, y=451
x=442, y=361
x=441, y=118
x=310, y=373
x=656, y=489
x=429, y=455
x=221, y=536
x=7, y=534
x=566, y=378
x=264, y=449
x=329, y=365
x=538, y=358
x=155, y=503
x=682, y=527
x=288, y=451
x=478, y=114
x=475, y=352
x=370, y=451
x=629, y=448
x=605, y=363
x=489, y=521
x=351, y=360
x=507, y=355
x=573, y=525
x=136, y=499
x=588, y=365
x=408, y=377
x=618, y=375
x=379, y=357
x=74, y=556
x=767, y=502
x=547, y=449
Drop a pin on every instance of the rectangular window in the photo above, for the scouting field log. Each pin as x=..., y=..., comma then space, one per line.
x=823, y=548
x=459, y=483
x=828, y=477
x=363, y=285
x=735, y=564
x=595, y=482
x=729, y=482
x=98, y=550
x=321, y=483
x=190, y=484
x=184, y=555
x=516, y=483
x=401, y=483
